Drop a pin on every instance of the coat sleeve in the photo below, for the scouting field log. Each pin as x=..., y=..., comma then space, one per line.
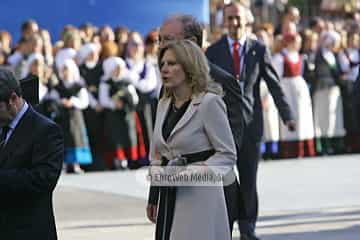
x=46, y=164
x=271, y=78
x=218, y=130
x=154, y=158
x=153, y=196
x=149, y=82
x=104, y=96
x=81, y=101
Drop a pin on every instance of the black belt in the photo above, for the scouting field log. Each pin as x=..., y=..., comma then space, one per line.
x=191, y=157
x=168, y=196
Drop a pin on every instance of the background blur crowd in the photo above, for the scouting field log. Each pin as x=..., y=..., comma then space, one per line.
x=101, y=85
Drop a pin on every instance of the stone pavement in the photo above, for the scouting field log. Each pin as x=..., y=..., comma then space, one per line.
x=317, y=198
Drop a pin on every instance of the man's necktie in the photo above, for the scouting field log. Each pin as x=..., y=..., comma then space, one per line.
x=236, y=56
x=4, y=132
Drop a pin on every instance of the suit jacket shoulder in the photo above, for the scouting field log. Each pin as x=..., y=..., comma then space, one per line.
x=218, y=47
x=219, y=43
x=41, y=126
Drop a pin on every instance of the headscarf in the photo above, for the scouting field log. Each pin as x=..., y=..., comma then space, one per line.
x=86, y=50
x=63, y=55
x=328, y=38
x=74, y=70
x=110, y=64
x=32, y=57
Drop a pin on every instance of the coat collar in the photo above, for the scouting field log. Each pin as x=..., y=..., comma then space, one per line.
x=241, y=41
x=248, y=46
x=164, y=104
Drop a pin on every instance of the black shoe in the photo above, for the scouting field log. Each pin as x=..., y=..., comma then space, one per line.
x=248, y=237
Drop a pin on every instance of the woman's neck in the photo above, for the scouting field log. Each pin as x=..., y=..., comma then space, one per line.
x=181, y=95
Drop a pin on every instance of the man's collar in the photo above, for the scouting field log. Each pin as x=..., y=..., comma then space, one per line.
x=241, y=41
x=19, y=115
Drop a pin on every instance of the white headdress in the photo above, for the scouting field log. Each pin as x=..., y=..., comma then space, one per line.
x=328, y=38
x=86, y=50
x=110, y=64
x=63, y=55
x=32, y=57
x=74, y=70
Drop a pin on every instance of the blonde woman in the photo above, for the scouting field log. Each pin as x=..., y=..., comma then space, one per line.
x=191, y=130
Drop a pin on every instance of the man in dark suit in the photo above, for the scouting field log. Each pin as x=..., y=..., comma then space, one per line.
x=356, y=103
x=31, y=156
x=187, y=27
x=248, y=61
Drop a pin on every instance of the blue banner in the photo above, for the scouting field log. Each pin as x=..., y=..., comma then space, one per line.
x=137, y=15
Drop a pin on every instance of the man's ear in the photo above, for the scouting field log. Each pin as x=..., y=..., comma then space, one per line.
x=13, y=97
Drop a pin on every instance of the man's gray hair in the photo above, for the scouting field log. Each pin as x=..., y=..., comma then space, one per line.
x=191, y=27
x=8, y=84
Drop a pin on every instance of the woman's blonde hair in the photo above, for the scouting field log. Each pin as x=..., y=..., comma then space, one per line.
x=195, y=66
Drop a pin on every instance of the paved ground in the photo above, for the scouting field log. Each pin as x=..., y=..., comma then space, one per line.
x=317, y=198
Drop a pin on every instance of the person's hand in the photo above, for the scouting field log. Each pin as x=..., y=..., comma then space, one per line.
x=67, y=103
x=48, y=72
x=265, y=104
x=98, y=108
x=93, y=88
x=119, y=104
x=343, y=77
x=291, y=125
x=156, y=170
x=151, y=212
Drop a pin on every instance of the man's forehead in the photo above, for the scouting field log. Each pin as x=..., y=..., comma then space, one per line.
x=235, y=10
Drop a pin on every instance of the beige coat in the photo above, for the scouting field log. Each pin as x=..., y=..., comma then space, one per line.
x=200, y=211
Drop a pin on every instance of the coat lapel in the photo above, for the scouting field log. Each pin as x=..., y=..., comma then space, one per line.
x=249, y=57
x=192, y=109
x=228, y=59
x=164, y=106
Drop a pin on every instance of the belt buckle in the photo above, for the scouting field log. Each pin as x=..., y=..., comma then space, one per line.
x=181, y=161
x=184, y=160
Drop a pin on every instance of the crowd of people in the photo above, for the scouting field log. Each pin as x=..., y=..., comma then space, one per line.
x=102, y=84
x=318, y=65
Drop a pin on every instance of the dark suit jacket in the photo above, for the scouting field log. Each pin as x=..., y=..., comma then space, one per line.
x=356, y=103
x=236, y=106
x=257, y=66
x=30, y=165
